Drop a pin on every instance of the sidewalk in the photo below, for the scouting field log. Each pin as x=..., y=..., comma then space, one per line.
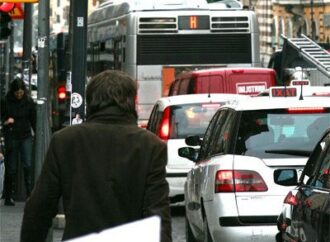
x=11, y=220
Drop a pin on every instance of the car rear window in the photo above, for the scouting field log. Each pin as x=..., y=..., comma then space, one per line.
x=191, y=119
x=278, y=133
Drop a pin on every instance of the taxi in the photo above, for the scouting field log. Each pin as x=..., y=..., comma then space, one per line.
x=235, y=190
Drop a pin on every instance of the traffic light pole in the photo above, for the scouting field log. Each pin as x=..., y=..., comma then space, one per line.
x=78, y=34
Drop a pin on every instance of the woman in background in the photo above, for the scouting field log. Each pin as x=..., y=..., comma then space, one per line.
x=18, y=119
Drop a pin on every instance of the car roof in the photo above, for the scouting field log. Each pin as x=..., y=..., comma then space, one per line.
x=266, y=102
x=198, y=98
x=221, y=70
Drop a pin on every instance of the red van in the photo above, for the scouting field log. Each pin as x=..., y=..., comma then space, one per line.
x=249, y=81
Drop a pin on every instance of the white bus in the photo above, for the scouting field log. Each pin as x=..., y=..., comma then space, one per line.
x=153, y=40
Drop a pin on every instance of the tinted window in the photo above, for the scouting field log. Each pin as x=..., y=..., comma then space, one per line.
x=222, y=138
x=322, y=162
x=279, y=133
x=153, y=119
x=191, y=119
x=207, y=136
x=184, y=85
x=212, y=131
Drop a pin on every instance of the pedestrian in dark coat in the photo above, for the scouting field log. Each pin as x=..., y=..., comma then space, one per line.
x=107, y=170
x=18, y=114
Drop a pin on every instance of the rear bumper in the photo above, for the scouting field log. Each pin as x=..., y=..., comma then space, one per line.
x=245, y=233
x=176, y=183
x=248, y=221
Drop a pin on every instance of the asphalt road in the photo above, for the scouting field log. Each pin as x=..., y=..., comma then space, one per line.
x=11, y=219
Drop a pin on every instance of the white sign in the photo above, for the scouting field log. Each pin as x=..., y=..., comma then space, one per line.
x=146, y=230
x=80, y=21
x=76, y=100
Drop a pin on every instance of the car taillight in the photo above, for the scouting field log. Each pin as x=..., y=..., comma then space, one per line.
x=306, y=110
x=239, y=181
x=290, y=199
x=164, y=129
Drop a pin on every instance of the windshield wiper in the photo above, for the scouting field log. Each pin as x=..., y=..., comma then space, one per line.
x=290, y=152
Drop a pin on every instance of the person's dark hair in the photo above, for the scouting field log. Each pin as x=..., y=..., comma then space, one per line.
x=17, y=84
x=111, y=88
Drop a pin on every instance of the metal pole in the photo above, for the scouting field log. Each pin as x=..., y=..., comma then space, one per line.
x=27, y=44
x=78, y=58
x=43, y=129
x=11, y=55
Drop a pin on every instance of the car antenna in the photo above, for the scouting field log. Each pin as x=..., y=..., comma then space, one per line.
x=209, y=86
x=301, y=86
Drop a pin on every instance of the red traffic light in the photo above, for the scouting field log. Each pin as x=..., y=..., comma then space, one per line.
x=7, y=7
x=61, y=92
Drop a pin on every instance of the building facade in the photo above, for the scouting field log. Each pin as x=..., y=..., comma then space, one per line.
x=290, y=18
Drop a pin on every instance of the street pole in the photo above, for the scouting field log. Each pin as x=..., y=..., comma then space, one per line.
x=78, y=34
x=43, y=132
x=27, y=44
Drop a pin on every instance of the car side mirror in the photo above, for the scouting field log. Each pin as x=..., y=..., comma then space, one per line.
x=193, y=140
x=189, y=153
x=286, y=177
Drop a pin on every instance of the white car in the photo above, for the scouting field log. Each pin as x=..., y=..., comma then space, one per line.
x=176, y=117
x=230, y=193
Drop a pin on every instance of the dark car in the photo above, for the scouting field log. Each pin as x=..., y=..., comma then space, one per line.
x=306, y=209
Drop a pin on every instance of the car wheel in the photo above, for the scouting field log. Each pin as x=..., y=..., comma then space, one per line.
x=207, y=235
x=189, y=235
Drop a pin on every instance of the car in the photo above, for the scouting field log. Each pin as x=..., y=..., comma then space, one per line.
x=248, y=81
x=305, y=214
x=173, y=119
x=230, y=192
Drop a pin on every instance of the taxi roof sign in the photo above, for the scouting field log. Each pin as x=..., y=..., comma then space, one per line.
x=300, y=82
x=283, y=91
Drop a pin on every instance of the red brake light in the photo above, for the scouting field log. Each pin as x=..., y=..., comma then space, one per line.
x=164, y=129
x=306, y=110
x=61, y=92
x=239, y=181
x=290, y=199
x=224, y=181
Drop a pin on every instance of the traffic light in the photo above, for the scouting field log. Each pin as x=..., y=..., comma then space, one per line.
x=61, y=93
x=5, y=29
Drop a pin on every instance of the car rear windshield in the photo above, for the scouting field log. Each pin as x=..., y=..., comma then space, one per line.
x=280, y=133
x=191, y=119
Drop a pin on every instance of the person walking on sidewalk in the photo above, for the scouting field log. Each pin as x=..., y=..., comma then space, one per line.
x=18, y=119
x=107, y=170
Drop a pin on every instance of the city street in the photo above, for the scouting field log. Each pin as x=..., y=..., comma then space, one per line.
x=11, y=218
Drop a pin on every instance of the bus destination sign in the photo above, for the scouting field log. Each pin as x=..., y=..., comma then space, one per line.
x=194, y=22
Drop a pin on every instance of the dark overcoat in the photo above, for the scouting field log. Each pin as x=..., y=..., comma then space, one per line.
x=108, y=172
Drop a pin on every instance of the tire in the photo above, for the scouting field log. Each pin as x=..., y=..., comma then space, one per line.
x=189, y=235
x=207, y=235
